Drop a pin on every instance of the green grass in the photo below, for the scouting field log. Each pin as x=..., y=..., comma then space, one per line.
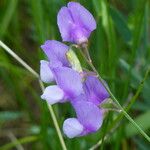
x=120, y=50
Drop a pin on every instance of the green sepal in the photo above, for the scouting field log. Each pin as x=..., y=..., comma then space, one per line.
x=74, y=61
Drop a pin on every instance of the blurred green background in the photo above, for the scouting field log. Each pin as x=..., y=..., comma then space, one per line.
x=120, y=50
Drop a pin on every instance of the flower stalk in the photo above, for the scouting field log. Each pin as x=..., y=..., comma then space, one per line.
x=113, y=97
x=34, y=73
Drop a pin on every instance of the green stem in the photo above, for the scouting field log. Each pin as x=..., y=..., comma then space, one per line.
x=114, y=98
x=133, y=99
x=26, y=66
x=127, y=108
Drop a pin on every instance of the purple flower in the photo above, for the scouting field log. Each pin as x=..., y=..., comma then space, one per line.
x=45, y=72
x=89, y=115
x=94, y=90
x=89, y=118
x=75, y=23
x=53, y=94
x=69, y=80
x=72, y=127
x=69, y=86
x=56, y=53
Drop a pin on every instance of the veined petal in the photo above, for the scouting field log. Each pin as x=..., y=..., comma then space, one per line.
x=79, y=35
x=65, y=23
x=45, y=72
x=89, y=115
x=82, y=16
x=75, y=23
x=56, y=51
x=72, y=127
x=53, y=94
x=69, y=81
x=94, y=90
x=81, y=97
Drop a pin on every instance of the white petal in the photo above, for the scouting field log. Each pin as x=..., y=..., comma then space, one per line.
x=72, y=127
x=45, y=72
x=53, y=94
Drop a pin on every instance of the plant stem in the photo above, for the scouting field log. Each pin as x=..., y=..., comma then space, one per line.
x=133, y=99
x=15, y=56
x=26, y=66
x=54, y=120
x=114, y=98
x=115, y=123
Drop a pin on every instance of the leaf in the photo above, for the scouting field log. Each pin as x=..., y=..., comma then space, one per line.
x=4, y=23
x=121, y=24
x=97, y=7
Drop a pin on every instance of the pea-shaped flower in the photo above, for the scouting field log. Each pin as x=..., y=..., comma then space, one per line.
x=56, y=53
x=89, y=115
x=94, y=90
x=75, y=23
x=69, y=85
x=89, y=118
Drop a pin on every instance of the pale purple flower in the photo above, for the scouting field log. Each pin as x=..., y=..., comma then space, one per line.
x=72, y=127
x=69, y=86
x=89, y=118
x=56, y=53
x=94, y=90
x=75, y=23
x=69, y=80
x=45, y=72
x=53, y=94
x=89, y=115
